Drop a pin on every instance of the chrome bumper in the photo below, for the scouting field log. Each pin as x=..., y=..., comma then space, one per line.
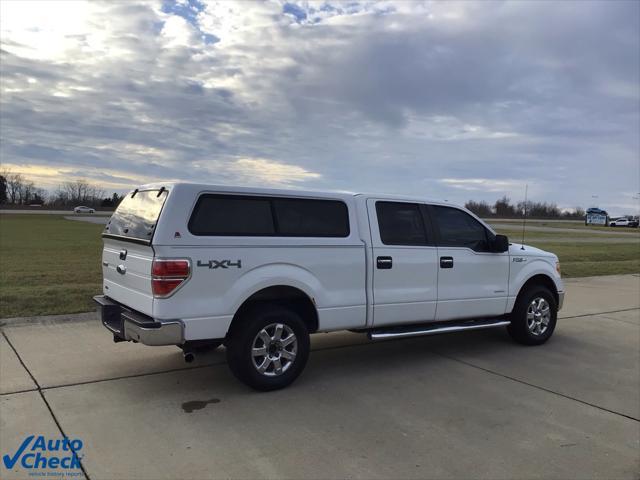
x=560, y=300
x=167, y=333
x=131, y=326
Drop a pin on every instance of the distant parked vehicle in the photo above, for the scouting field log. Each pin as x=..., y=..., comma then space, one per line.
x=596, y=210
x=620, y=222
x=83, y=209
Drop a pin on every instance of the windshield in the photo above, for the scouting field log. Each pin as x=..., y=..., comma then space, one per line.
x=137, y=215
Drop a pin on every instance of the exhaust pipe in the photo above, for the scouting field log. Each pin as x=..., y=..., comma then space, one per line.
x=189, y=356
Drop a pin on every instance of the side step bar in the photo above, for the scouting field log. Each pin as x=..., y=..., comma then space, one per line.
x=434, y=329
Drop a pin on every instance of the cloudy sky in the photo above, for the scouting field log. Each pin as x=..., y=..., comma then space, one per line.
x=454, y=100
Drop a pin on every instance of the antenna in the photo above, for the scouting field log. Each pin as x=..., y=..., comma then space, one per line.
x=524, y=218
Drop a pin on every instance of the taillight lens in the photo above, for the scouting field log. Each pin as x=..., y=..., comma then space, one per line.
x=168, y=274
x=170, y=268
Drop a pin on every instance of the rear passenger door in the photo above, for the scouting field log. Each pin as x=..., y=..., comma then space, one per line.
x=404, y=263
x=472, y=281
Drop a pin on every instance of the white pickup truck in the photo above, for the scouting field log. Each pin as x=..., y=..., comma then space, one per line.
x=258, y=270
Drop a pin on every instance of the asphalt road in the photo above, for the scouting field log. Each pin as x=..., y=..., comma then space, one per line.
x=50, y=212
x=471, y=405
x=604, y=231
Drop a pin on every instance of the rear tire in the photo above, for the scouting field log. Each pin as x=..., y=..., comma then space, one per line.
x=268, y=347
x=534, y=316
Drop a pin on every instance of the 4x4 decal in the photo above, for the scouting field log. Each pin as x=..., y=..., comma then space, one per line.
x=213, y=264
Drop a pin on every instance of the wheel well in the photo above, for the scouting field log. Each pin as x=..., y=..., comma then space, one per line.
x=285, y=296
x=543, y=280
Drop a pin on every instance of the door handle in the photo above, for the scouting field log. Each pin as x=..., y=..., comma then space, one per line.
x=446, y=262
x=384, y=263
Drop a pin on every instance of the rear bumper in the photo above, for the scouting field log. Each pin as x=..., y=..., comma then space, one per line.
x=127, y=325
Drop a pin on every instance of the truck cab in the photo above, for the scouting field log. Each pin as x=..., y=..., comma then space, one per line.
x=259, y=270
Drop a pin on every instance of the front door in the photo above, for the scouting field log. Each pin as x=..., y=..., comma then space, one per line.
x=405, y=268
x=472, y=281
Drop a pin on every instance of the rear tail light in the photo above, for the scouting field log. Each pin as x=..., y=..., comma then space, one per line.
x=168, y=274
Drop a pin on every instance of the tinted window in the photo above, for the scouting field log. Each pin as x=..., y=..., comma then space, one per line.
x=311, y=218
x=232, y=215
x=459, y=229
x=265, y=216
x=400, y=223
x=137, y=215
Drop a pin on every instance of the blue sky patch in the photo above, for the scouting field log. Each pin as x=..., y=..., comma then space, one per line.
x=189, y=11
x=295, y=10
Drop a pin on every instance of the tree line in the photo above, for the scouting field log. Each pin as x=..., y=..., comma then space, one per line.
x=15, y=189
x=503, y=208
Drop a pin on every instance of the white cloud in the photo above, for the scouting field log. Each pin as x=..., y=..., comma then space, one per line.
x=483, y=184
x=178, y=32
x=260, y=171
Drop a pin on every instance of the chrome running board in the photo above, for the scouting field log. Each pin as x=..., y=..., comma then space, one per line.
x=426, y=329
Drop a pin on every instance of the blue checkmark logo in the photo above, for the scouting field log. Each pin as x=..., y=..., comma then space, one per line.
x=10, y=462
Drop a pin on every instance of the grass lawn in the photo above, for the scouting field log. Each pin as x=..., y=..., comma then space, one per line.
x=48, y=265
x=581, y=259
x=590, y=259
x=515, y=234
x=51, y=265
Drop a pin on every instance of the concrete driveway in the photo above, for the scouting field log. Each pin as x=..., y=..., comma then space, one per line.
x=472, y=405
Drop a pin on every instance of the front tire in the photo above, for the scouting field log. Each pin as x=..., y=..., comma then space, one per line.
x=268, y=347
x=534, y=316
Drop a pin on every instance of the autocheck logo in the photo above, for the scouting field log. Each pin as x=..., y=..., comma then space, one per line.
x=60, y=456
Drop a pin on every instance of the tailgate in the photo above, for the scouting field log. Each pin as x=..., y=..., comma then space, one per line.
x=126, y=269
x=127, y=254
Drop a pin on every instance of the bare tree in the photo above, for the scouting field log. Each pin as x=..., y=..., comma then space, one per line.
x=25, y=192
x=15, y=187
x=40, y=196
x=17, y=190
x=482, y=208
x=503, y=207
x=79, y=192
x=60, y=197
x=3, y=188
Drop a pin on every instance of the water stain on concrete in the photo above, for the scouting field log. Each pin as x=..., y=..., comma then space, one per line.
x=189, y=407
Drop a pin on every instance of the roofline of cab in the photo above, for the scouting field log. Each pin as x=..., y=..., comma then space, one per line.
x=201, y=188
x=290, y=192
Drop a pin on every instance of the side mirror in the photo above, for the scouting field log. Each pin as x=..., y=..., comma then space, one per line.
x=500, y=244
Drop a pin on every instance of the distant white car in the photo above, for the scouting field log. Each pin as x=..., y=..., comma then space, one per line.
x=619, y=222
x=82, y=209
